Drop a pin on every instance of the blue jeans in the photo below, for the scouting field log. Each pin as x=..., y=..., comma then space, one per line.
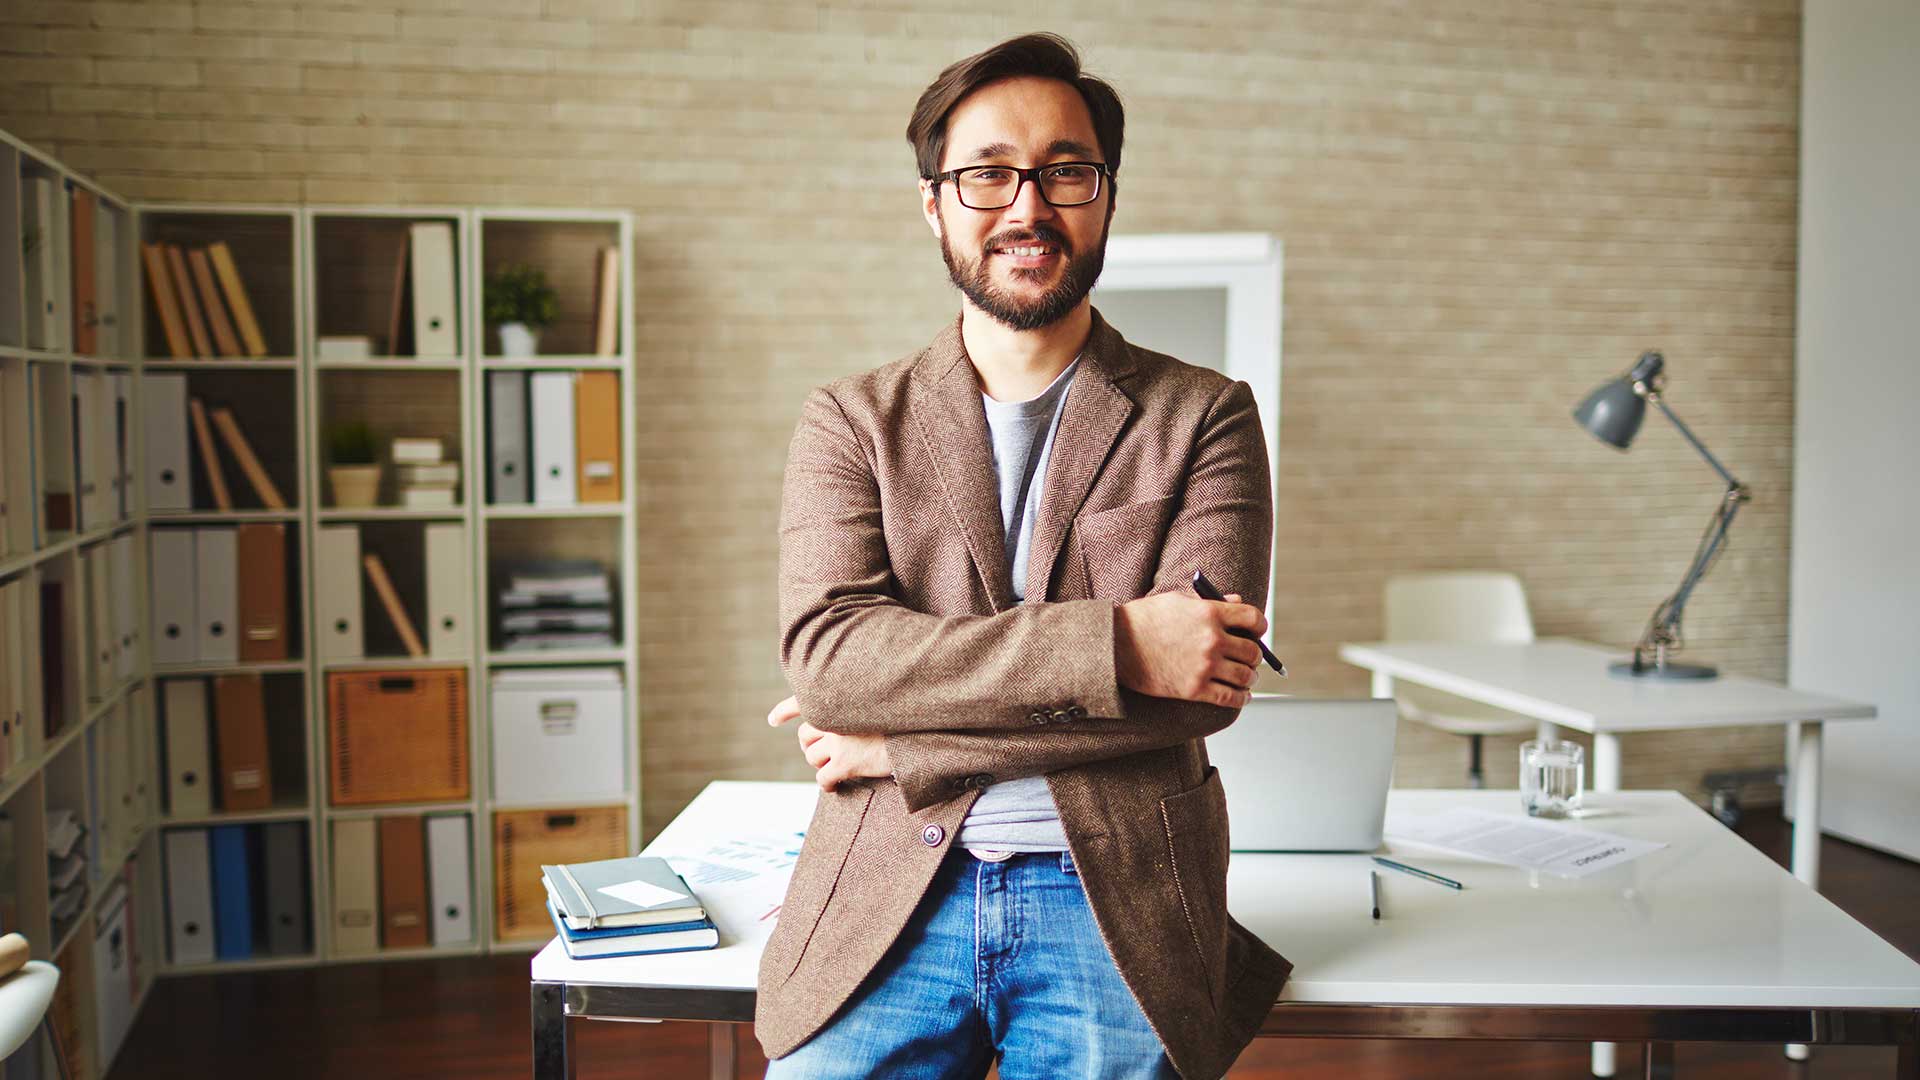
x=1000, y=959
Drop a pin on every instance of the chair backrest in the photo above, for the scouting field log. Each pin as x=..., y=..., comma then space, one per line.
x=1457, y=605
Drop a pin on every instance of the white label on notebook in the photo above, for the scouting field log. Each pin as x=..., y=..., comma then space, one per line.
x=640, y=893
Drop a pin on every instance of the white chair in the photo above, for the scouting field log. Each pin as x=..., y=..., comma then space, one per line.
x=1458, y=605
x=24, y=997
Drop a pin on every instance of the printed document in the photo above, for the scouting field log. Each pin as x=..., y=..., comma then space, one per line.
x=1529, y=843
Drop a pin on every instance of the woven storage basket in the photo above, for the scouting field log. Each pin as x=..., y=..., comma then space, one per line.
x=398, y=736
x=524, y=840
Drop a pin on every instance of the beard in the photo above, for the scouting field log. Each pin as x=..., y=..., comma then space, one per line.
x=975, y=282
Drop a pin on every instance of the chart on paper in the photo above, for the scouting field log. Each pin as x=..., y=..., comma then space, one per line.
x=1528, y=843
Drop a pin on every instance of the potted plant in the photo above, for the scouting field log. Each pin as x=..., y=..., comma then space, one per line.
x=351, y=467
x=519, y=304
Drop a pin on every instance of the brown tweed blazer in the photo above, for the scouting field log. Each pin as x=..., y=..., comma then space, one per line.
x=897, y=618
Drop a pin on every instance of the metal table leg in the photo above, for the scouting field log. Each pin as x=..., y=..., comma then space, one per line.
x=722, y=1052
x=1659, y=1061
x=1606, y=777
x=553, y=1057
x=1806, y=822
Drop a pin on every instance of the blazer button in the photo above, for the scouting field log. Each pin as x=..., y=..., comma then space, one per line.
x=1061, y=716
x=980, y=780
x=1038, y=717
x=932, y=835
x=1077, y=713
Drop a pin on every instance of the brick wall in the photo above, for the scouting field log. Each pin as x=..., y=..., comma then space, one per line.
x=1486, y=209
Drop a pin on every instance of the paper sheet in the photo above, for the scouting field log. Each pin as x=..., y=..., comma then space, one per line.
x=741, y=880
x=640, y=893
x=1529, y=843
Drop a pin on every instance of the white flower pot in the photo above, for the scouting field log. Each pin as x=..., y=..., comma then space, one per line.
x=518, y=339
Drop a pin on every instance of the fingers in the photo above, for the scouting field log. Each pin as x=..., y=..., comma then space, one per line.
x=1229, y=696
x=1234, y=673
x=783, y=712
x=1242, y=617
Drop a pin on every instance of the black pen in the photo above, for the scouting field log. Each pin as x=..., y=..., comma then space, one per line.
x=1375, y=875
x=1207, y=592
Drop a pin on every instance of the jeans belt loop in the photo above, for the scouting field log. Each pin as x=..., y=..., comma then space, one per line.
x=990, y=854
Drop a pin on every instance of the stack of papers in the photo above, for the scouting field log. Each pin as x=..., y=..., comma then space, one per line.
x=1529, y=843
x=619, y=907
x=563, y=604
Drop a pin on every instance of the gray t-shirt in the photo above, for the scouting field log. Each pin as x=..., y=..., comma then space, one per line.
x=1019, y=815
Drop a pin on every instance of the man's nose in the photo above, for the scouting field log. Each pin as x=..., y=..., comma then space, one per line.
x=1029, y=205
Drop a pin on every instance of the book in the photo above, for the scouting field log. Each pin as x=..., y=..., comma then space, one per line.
x=606, y=337
x=343, y=347
x=183, y=284
x=639, y=890
x=577, y=598
x=160, y=288
x=394, y=322
x=402, y=623
x=263, y=485
x=445, y=474
x=537, y=620
x=237, y=301
x=203, y=438
x=223, y=336
x=428, y=496
x=416, y=451
x=559, y=639
x=634, y=941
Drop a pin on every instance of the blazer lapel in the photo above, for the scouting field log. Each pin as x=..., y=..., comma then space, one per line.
x=953, y=424
x=1096, y=410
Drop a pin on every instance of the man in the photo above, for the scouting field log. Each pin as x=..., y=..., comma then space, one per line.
x=1020, y=849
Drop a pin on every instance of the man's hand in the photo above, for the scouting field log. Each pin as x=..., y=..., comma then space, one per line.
x=836, y=759
x=1176, y=645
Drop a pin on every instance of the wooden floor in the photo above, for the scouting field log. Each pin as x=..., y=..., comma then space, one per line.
x=468, y=1018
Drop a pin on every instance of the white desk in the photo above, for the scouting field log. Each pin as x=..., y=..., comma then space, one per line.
x=1704, y=940
x=1565, y=683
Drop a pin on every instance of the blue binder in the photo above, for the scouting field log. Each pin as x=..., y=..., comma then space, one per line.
x=232, y=894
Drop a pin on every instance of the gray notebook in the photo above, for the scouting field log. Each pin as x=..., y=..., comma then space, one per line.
x=634, y=891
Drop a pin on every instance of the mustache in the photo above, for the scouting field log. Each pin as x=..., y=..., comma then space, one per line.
x=1039, y=234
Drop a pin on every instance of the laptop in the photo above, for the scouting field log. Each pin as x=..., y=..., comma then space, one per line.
x=1306, y=774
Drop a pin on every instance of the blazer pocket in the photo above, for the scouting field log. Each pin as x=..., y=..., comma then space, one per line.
x=816, y=875
x=1120, y=547
x=1196, y=826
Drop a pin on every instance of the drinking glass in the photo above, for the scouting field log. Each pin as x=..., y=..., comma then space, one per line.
x=1551, y=777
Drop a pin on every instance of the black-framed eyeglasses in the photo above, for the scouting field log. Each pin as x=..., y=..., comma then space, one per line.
x=995, y=187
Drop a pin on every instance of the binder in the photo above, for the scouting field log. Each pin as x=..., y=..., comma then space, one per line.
x=262, y=570
x=209, y=461
x=597, y=417
x=172, y=570
x=434, y=313
x=169, y=480
x=356, y=927
x=12, y=673
x=113, y=989
x=216, y=566
x=450, y=878
x=126, y=609
x=240, y=743
x=449, y=610
x=236, y=292
x=45, y=313
x=6, y=471
x=189, y=306
x=507, y=436
x=558, y=734
x=52, y=700
x=403, y=883
x=99, y=430
x=288, y=929
x=398, y=297
x=390, y=600
x=223, y=335
x=232, y=893
x=23, y=657
x=336, y=594
x=190, y=896
x=101, y=645
x=86, y=310
x=106, y=276
x=526, y=840
x=552, y=414
x=122, y=446
x=397, y=736
x=93, y=479
x=250, y=467
x=189, y=777
x=606, y=335
x=160, y=290
x=116, y=739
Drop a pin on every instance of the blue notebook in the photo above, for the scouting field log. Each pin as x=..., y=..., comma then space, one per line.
x=232, y=893
x=632, y=940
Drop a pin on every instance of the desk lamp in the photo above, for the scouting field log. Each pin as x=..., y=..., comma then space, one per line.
x=1613, y=413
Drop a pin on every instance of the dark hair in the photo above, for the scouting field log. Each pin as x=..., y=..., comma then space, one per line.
x=1048, y=56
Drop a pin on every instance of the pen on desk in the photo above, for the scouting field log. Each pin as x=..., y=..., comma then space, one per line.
x=1207, y=592
x=1417, y=872
x=1375, y=875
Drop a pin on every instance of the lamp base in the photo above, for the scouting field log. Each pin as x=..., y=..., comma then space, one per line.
x=1624, y=669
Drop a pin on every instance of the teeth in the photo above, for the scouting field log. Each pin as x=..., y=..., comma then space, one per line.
x=1025, y=251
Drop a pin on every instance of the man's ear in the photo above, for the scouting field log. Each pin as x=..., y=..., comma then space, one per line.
x=930, y=206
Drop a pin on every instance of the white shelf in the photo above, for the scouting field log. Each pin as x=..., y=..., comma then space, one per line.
x=544, y=363
x=242, y=817
x=223, y=363
x=540, y=657
x=262, y=667
x=392, y=663
x=536, y=511
x=390, y=364
x=393, y=513
x=348, y=813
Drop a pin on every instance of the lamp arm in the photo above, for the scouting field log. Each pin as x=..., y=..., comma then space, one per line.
x=1687, y=433
x=1663, y=630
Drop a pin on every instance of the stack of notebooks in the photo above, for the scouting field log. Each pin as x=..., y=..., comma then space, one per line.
x=561, y=604
x=621, y=907
x=426, y=482
x=66, y=869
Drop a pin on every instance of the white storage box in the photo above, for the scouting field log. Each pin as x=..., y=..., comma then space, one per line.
x=559, y=735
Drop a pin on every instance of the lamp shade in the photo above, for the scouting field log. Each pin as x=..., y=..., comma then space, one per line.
x=1615, y=408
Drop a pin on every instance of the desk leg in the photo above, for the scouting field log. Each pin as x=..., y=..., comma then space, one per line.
x=1606, y=761
x=722, y=1053
x=1806, y=805
x=552, y=1037
x=1603, y=1063
x=1382, y=685
x=1659, y=1061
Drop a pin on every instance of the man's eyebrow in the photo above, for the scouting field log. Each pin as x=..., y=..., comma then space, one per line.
x=1054, y=149
x=992, y=150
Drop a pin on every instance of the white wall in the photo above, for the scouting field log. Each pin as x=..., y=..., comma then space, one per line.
x=1855, y=609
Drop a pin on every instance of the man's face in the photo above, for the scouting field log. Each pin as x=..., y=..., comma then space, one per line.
x=1029, y=264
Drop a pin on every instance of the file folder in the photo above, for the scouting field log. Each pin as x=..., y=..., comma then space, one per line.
x=597, y=418
x=12, y=672
x=45, y=311
x=288, y=928
x=126, y=610
x=240, y=726
x=397, y=736
x=22, y=659
x=356, y=897
x=434, y=314
x=101, y=644
x=122, y=436
x=216, y=564
x=450, y=878
x=106, y=276
x=262, y=570
x=116, y=752
x=169, y=479
x=190, y=896
x=552, y=414
x=507, y=436
x=449, y=607
x=80, y=253
x=113, y=991
x=336, y=594
x=94, y=479
x=232, y=893
x=403, y=883
x=189, y=778
x=173, y=571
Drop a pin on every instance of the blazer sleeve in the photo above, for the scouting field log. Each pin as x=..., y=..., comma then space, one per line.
x=860, y=662
x=1224, y=527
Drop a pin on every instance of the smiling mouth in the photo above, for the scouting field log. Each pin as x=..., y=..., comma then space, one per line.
x=1026, y=251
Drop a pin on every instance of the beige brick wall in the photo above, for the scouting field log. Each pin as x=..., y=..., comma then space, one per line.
x=1487, y=208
